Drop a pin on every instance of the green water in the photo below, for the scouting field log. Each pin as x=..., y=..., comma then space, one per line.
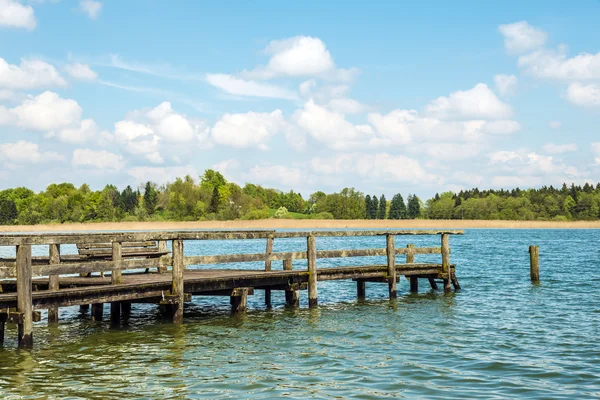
x=500, y=337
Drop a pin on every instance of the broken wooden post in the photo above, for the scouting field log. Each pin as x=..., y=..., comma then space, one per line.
x=97, y=311
x=162, y=247
x=239, y=300
x=3, y=318
x=361, y=289
x=292, y=298
x=177, y=286
x=446, y=262
x=53, y=281
x=391, y=265
x=534, y=263
x=24, y=300
x=432, y=282
x=410, y=259
x=268, y=253
x=116, y=278
x=311, y=248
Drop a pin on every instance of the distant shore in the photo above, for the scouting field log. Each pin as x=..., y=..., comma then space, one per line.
x=303, y=224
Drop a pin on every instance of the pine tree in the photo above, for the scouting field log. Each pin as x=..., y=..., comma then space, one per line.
x=397, y=207
x=129, y=199
x=374, y=207
x=215, y=201
x=150, y=198
x=382, y=207
x=368, y=207
x=414, y=207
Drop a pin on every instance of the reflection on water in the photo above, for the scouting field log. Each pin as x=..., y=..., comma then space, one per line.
x=500, y=337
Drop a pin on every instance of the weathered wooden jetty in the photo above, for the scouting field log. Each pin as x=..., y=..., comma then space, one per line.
x=140, y=269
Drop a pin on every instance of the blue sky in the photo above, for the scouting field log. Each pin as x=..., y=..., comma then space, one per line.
x=383, y=96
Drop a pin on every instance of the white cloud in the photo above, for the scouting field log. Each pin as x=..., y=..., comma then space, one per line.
x=16, y=15
x=97, y=159
x=307, y=87
x=227, y=167
x=47, y=112
x=251, y=129
x=596, y=148
x=81, y=72
x=300, y=56
x=555, y=64
x=172, y=126
x=91, y=8
x=346, y=106
x=552, y=148
x=139, y=139
x=513, y=181
x=30, y=74
x=554, y=124
x=520, y=37
x=381, y=166
x=85, y=131
x=527, y=164
x=278, y=174
x=584, y=95
x=241, y=87
x=23, y=152
x=503, y=156
x=506, y=84
x=477, y=103
x=330, y=127
x=161, y=175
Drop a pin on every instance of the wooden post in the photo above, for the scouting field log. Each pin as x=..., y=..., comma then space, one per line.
x=391, y=264
x=534, y=263
x=162, y=246
x=446, y=262
x=433, y=283
x=268, y=252
x=311, y=248
x=2, y=325
x=177, y=288
x=84, y=308
x=291, y=296
x=97, y=311
x=116, y=278
x=240, y=301
x=24, y=301
x=126, y=310
x=361, y=289
x=410, y=259
x=53, y=281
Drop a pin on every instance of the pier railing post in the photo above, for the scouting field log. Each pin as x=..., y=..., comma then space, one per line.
x=446, y=269
x=291, y=295
x=534, y=263
x=177, y=287
x=53, y=280
x=311, y=248
x=24, y=300
x=162, y=247
x=268, y=253
x=391, y=265
x=410, y=259
x=116, y=278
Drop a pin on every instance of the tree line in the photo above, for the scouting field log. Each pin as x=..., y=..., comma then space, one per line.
x=212, y=197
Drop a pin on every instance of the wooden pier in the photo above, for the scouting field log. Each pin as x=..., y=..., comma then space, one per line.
x=29, y=283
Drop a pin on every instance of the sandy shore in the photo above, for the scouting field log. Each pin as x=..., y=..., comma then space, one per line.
x=303, y=224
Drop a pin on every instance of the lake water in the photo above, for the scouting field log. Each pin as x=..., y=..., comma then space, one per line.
x=500, y=337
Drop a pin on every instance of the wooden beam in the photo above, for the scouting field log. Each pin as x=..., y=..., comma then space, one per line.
x=391, y=264
x=162, y=261
x=177, y=284
x=24, y=300
x=311, y=249
x=268, y=253
x=53, y=280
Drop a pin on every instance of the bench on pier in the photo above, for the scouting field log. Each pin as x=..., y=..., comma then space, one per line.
x=129, y=250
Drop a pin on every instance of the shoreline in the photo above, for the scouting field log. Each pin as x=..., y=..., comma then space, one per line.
x=302, y=224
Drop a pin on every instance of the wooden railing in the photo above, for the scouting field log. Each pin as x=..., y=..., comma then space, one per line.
x=23, y=268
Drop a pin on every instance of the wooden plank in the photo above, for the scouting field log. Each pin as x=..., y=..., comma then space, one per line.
x=108, y=245
x=8, y=270
x=177, y=284
x=53, y=280
x=92, y=266
x=391, y=266
x=311, y=249
x=125, y=253
x=162, y=262
x=60, y=238
x=24, y=300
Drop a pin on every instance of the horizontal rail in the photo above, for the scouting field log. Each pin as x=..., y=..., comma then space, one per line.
x=103, y=237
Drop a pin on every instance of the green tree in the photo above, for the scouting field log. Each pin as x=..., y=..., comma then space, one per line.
x=374, y=207
x=150, y=198
x=414, y=207
x=381, y=213
x=368, y=206
x=8, y=211
x=397, y=207
x=129, y=200
x=215, y=201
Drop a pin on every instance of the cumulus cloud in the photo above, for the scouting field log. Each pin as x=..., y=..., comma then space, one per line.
x=476, y=103
x=161, y=175
x=91, y=8
x=528, y=164
x=16, y=15
x=297, y=57
x=555, y=64
x=506, y=84
x=330, y=127
x=280, y=175
x=520, y=37
x=247, y=130
x=30, y=74
x=47, y=112
x=81, y=72
x=553, y=148
x=242, y=87
x=102, y=159
x=346, y=106
x=23, y=152
x=584, y=95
